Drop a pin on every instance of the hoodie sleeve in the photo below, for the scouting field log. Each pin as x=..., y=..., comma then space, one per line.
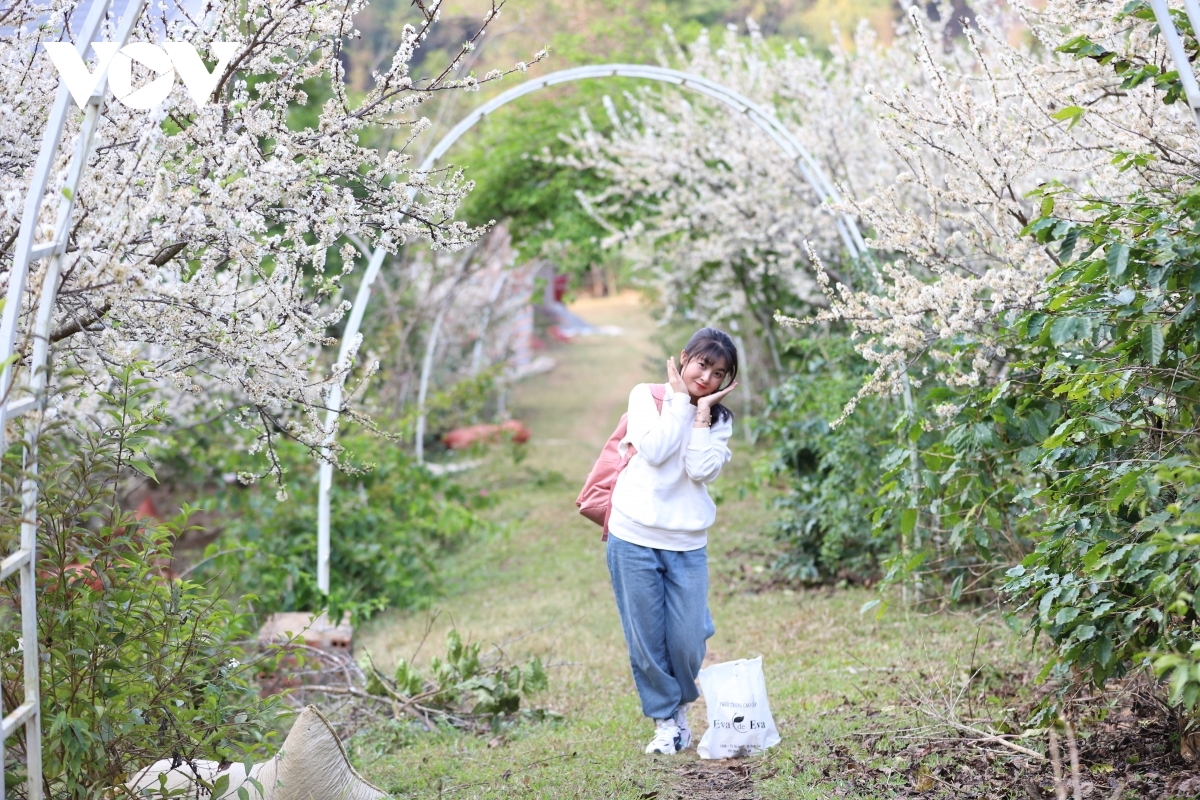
x=708, y=451
x=658, y=436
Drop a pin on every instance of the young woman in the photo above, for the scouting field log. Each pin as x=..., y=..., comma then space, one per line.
x=658, y=530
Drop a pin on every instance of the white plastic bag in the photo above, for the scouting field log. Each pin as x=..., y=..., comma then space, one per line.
x=739, y=717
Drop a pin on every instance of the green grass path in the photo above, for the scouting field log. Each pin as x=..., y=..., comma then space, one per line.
x=540, y=587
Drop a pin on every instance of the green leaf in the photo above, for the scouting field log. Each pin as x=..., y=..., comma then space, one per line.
x=882, y=606
x=1092, y=272
x=1067, y=248
x=1047, y=600
x=1068, y=329
x=144, y=468
x=1117, y=260
x=1073, y=113
x=534, y=678
x=1105, y=423
x=1179, y=679
x=1104, y=651
x=908, y=520
x=1065, y=615
x=1152, y=343
x=1036, y=323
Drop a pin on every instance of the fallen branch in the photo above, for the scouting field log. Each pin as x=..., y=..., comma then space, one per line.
x=984, y=735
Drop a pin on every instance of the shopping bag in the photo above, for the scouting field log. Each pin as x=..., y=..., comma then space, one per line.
x=739, y=717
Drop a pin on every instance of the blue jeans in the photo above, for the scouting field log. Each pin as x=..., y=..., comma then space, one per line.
x=662, y=597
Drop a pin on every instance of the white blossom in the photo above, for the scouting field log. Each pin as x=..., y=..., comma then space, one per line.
x=935, y=144
x=200, y=235
x=976, y=130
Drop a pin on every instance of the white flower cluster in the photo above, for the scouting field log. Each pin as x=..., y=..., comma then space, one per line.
x=718, y=212
x=201, y=236
x=988, y=118
x=935, y=143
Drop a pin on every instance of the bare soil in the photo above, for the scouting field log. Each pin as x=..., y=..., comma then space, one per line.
x=1128, y=745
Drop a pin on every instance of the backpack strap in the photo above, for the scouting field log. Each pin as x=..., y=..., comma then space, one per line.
x=659, y=392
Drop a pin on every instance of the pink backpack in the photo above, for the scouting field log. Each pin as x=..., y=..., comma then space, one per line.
x=595, y=501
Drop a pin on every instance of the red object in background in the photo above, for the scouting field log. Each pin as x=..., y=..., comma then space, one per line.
x=85, y=574
x=462, y=438
x=147, y=510
x=560, y=287
x=536, y=343
x=75, y=574
x=557, y=335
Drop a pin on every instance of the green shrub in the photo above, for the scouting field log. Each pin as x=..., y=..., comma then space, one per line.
x=1087, y=447
x=465, y=681
x=967, y=509
x=1116, y=571
x=832, y=474
x=135, y=667
x=388, y=526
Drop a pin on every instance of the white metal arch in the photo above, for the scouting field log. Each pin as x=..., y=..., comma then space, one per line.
x=791, y=147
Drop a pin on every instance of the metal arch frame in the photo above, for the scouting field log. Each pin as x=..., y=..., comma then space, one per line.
x=33, y=400
x=1162, y=15
x=796, y=152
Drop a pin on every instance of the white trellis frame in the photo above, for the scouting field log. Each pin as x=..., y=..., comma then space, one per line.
x=32, y=396
x=756, y=114
x=1170, y=34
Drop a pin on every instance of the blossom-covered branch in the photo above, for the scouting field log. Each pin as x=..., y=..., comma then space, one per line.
x=202, y=237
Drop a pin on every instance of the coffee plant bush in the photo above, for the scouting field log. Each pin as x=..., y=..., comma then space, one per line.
x=825, y=516
x=137, y=665
x=1077, y=459
x=390, y=522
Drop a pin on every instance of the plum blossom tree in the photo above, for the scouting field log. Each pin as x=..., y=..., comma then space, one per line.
x=935, y=142
x=709, y=213
x=212, y=243
x=1044, y=288
x=985, y=123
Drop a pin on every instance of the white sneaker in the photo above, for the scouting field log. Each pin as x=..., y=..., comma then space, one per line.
x=666, y=739
x=685, y=731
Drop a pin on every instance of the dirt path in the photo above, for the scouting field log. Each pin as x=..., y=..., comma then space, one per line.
x=540, y=587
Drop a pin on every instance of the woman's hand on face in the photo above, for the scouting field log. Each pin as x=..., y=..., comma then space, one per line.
x=710, y=400
x=674, y=378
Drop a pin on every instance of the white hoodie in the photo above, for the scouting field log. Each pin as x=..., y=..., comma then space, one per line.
x=661, y=499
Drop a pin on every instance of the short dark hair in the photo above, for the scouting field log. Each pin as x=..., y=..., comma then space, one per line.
x=715, y=345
